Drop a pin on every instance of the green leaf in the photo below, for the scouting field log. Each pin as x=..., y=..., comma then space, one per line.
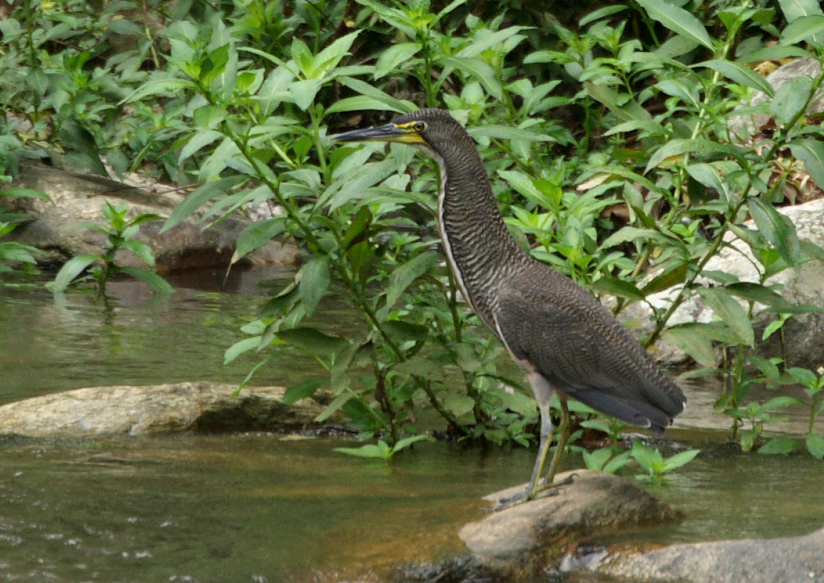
x=312, y=340
x=150, y=278
x=778, y=230
x=694, y=342
x=679, y=147
x=617, y=287
x=782, y=445
x=815, y=445
x=494, y=40
x=301, y=391
x=677, y=20
x=680, y=459
x=403, y=276
x=420, y=366
x=24, y=193
x=601, y=13
x=240, y=347
x=811, y=152
x=773, y=54
x=764, y=295
x=478, y=70
x=671, y=277
x=360, y=103
x=507, y=133
x=314, y=280
x=740, y=74
x=394, y=56
x=626, y=110
x=367, y=451
x=156, y=86
x=730, y=311
x=407, y=441
x=256, y=236
x=791, y=99
x=598, y=458
x=71, y=269
x=616, y=463
x=365, y=89
x=804, y=376
x=332, y=407
x=459, y=404
x=199, y=197
x=199, y=141
x=780, y=403
x=304, y=92
x=404, y=331
x=801, y=29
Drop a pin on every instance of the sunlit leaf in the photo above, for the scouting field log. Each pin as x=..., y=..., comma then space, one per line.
x=677, y=20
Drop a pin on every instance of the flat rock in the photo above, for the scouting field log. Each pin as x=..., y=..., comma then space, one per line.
x=783, y=560
x=130, y=410
x=524, y=539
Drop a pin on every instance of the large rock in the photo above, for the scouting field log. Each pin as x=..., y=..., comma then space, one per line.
x=525, y=539
x=783, y=560
x=200, y=406
x=802, y=332
x=77, y=200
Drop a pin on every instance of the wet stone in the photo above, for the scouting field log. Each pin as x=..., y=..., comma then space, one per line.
x=140, y=410
x=531, y=537
x=788, y=560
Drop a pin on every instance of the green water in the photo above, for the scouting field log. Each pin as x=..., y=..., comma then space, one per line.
x=268, y=509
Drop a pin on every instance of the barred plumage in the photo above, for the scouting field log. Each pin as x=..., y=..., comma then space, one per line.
x=557, y=332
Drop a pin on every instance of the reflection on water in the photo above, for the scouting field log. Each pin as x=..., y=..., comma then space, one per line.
x=262, y=508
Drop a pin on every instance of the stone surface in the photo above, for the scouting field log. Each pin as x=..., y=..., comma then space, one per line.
x=525, y=539
x=783, y=560
x=77, y=200
x=802, y=332
x=200, y=406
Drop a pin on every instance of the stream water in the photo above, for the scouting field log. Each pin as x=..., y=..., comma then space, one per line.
x=272, y=508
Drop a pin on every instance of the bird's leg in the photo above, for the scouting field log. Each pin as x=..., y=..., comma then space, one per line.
x=543, y=449
x=564, y=429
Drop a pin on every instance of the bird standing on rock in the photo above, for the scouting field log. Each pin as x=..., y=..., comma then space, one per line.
x=561, y=337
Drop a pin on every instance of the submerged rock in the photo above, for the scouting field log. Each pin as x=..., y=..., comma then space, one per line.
x=198, y=406
x=60, y=228
x=789, y=560
x=528, y=538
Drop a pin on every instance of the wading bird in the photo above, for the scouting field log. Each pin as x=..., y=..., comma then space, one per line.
x=561, y=337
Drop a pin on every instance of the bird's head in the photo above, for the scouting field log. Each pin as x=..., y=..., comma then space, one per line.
x=433, y=130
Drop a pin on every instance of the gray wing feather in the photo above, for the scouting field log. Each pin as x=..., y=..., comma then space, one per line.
x=584, y=351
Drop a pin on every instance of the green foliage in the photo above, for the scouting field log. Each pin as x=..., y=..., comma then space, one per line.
x=632, y=193
x=11, y=251
x=120, y=232
x=382, y=450
x=654, y=464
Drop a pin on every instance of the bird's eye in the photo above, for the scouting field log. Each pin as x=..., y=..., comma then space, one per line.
x=420, y=126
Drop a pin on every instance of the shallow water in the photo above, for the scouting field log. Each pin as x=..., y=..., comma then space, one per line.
x=265, y=508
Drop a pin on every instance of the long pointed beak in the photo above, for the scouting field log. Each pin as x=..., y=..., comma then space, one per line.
x=384, y=133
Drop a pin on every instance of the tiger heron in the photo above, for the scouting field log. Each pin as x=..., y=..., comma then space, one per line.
x=561, y=337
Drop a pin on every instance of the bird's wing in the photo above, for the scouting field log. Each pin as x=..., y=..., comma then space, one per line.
x=575, y=344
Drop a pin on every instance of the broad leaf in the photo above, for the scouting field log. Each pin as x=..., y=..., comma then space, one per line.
x=778, y=230
x=677, y=20
x=71, y=269
x=730, y=311
x=314, y=280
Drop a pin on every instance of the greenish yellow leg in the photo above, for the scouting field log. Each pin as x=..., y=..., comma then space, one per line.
x=564, y=428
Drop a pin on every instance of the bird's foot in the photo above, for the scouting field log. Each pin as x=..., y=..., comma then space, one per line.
x=541, y=491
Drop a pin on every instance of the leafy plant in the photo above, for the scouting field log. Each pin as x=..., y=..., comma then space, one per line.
x=11, y=251
x=120, y=232
x=604, y=459
x=813, y=383
x=654, y=464
x=382, y=450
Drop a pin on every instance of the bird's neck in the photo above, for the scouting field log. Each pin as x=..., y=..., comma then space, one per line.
x=478, y=244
